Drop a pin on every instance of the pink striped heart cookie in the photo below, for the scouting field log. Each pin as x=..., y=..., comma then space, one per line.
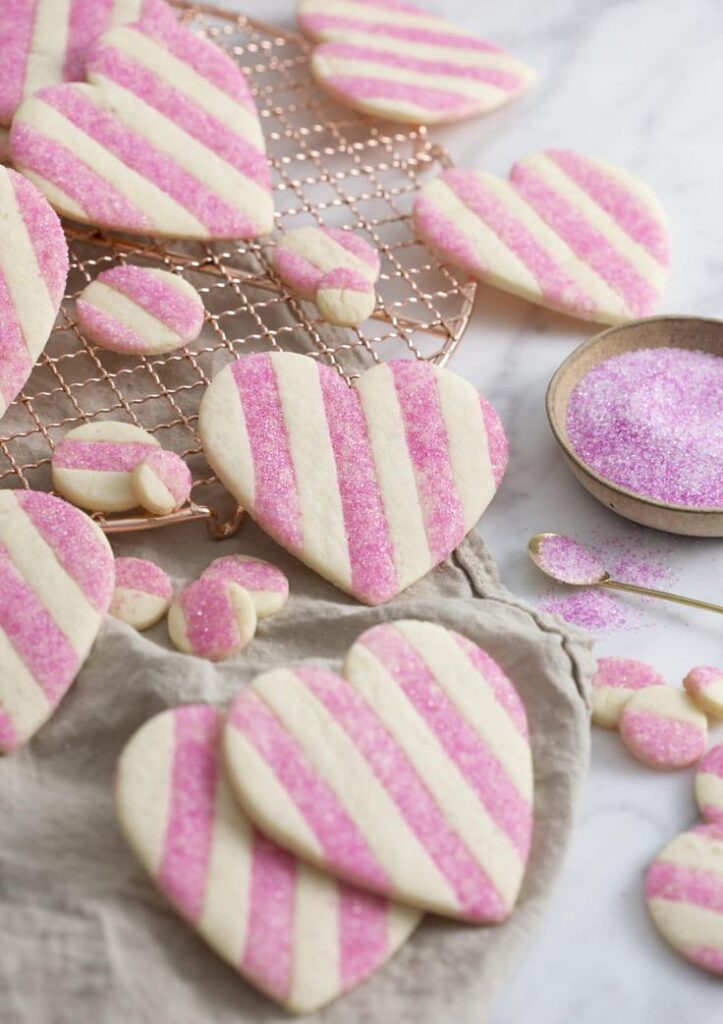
x=370, y=486
x=663, y=728
x=614, y=683
x=93, y=465
x=337, y=269
x=393, y=60
x=212, y=618
x=44, y=42
x=705, y=685
x=709, y=785
x=410, y=774
x=140, y=311
x=566, y=231
x=142, y=593
x=165, y=140
x=684, y=892
x=297, y=935
x=161, y=482
x=33, y=270
x=265, y=584
x=56, y=582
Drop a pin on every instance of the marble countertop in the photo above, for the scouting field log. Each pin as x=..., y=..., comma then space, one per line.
x=638, y=82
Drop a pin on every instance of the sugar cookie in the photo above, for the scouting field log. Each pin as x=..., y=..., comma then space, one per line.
x=705, y=685
x=140, y=311
x=33, y=269
x=684, y=890
x=371, y=486
x=335, y=268
x=566, y=231
x=267, y=586
x=404, y=64
x=663, y=728
x=92, y=465
x=45, y=43
x=56, y=582
x=410, y=774
x=614, y=683
x=161, y=482
x=212, y=618
x=709, y=785
x=164, y=140
x=298, y=935
x=142, y=594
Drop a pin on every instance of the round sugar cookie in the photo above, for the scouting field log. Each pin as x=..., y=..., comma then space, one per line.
x=142, y=594
x=297, y=935
x=212, y=618
x=162, y=139
x=401, y=63
x=409, y=774
x=266, y=585
x=56, y=582
x=92, y=466
x=33, y=272
x=614, y=683
x=705, y=685
x=337, y=269
x=140, y=311
x=709, y=785
x=663, y=728
x=684, y=893
x=570, y=232
x=162, y=482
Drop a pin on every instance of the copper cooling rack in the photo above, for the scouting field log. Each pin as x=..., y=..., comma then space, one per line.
x=331, y=167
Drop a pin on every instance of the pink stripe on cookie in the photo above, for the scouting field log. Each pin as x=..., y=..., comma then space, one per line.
x=441, y=232
x=336, y=832
x=477, y=897
x=17, y=20
x=709, y=785
x=369, y=544
x=428, y=447
x=363, y=934
x=188, y=838
x=361, y=87
x=497, y=443
x=100, y=456
x=338, y=26
x=140, y=574
x=705, y=685
x=46, y=234
x=211, y=625
x=345, y=278
x=87, y=20
x=15, y=361
x=663, y=728
x=269, y=954
x=614, y=683
x=504, y=690
x=266, y=585
x=158, y=297
x=685, y=885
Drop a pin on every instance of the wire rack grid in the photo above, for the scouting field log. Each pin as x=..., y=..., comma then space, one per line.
x=329, y=167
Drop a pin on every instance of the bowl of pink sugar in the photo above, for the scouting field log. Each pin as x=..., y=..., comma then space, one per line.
x=638, y=413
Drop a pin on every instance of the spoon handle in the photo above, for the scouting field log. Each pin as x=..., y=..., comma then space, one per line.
x=678, y=598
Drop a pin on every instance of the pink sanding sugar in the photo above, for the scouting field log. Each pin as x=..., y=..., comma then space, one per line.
x=651, y=421
x=568, y=560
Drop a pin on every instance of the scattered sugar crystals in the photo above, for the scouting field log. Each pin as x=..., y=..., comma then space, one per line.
x=568, y=561
x=651, y=421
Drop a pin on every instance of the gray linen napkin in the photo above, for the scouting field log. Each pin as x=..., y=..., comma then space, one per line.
x=86, y=937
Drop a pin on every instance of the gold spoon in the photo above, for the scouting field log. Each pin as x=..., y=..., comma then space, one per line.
x=566, y=561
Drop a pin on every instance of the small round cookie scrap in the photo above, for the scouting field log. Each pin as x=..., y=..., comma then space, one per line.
x=336, y=269
x=709, y=785
x=267, y=586
x=614, y=683
x=705, y=685
x=684, y=893
x=212, y=618
x=92, y=466
x=142, y=594
x=663, y=728
x=162, y=482
x=140, y=311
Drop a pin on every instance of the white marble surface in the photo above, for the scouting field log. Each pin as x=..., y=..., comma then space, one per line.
x=639, y=82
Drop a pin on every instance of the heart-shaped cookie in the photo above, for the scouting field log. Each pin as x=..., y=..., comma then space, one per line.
x=33, y=270
x=370, y=486
x=410, y=774
x=56, y=583
x=566, y=231
x=45, y=43
x=395, y=61
x=298, y=935
x=165, y=139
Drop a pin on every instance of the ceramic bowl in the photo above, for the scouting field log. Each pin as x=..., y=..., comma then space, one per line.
x=656, y=332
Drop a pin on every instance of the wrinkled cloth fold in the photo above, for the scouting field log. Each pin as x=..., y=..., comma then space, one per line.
x=86, y=936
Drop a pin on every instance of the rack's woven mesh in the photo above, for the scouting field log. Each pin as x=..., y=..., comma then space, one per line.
x=330, y=167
